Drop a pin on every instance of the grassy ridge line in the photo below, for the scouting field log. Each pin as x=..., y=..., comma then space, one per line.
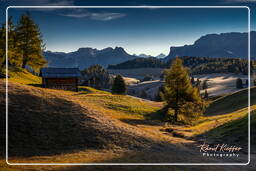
x=235, y=132
x=235, y=127
x=99, y=101
x=86, y=118
x=207, y=123
x=231, y=103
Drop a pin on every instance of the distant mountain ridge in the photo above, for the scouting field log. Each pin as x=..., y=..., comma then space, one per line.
x=233, y=45
x=161, y=55
x=196, y=65
x=223, y=45
x=85, y=57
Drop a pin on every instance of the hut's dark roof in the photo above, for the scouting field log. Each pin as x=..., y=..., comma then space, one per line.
x=60, y=73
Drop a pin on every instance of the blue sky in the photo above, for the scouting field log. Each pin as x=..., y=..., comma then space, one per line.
x=150, y=31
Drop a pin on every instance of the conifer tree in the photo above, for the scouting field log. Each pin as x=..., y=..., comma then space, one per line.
x=96, y=76
x=239, y=83
x=206, y=94
x=205, y=85
x=192, y=80
x=2, y=47
x=179, y=93
x=119, y=86
x=13, y=55
x=198, y=82
x=30, y=43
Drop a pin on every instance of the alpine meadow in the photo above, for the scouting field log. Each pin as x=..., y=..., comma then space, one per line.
x=126, y=85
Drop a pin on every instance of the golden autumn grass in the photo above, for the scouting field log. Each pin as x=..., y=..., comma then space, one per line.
x=127, y=114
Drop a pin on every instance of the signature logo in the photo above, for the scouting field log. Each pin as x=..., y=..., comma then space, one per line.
x=219, y=150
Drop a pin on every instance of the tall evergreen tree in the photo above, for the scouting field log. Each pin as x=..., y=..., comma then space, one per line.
x=239, y=83
x=192, y=80
x=119, y=86
x=205, y=85
x=198, y=82
x=2, y=47
x=206, y=94
x=30, y=43
x=179, y=93
x=96, y=76
x=13, y=55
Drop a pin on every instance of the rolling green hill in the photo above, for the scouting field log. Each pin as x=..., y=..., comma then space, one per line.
x=48, y=125
x=234, y=132
x=231, y=103
x=40, y=119
x=22, y=76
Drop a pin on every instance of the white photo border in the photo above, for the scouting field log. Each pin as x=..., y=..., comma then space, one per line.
x=138, y=7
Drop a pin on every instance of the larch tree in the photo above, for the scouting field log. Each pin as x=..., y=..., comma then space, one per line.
x=179, y=94
x=2, y=47
x=192, y=80
x=205, y=85
x=239, y=83
x=206, y=94
x=119, y=86
x=30, y=43
x=13, y=55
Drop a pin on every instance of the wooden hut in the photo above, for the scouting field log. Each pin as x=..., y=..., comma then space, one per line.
x=60, y=78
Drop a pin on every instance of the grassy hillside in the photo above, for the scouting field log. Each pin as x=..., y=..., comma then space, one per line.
x=231, y=103
x=91, y=125
x=40, y=119
x=19, y=75
x=234, y=132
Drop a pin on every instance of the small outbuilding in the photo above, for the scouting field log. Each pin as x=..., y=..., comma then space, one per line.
x=60, y=78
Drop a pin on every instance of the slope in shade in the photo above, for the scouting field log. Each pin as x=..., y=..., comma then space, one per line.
x=42, y=123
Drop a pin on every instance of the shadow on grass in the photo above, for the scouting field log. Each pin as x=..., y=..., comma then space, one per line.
x=42, y=124
x=36, y=85
x=48, y=126
x=136, y=122
x=232, y=133
x=84, y=90
x=154, y=119
x=231, y=103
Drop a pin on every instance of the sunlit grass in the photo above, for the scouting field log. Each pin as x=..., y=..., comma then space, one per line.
x=22, y=76
x=236, y=127
x=207, y=123
x=122, y=103
x=119, y=107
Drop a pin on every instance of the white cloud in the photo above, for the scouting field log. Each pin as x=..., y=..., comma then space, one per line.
x=82, y=13
x=106, y=16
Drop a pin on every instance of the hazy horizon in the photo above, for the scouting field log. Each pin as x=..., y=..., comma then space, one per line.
x=113, y=47
x=143, y=30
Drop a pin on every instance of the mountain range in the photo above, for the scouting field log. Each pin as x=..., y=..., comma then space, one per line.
x=233, y=45
x=85, y=57
x=142, y=55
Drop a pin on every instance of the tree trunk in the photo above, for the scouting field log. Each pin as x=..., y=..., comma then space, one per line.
x=3, y=63
x=177, y=106
x=24, y=63
x=176, y=115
